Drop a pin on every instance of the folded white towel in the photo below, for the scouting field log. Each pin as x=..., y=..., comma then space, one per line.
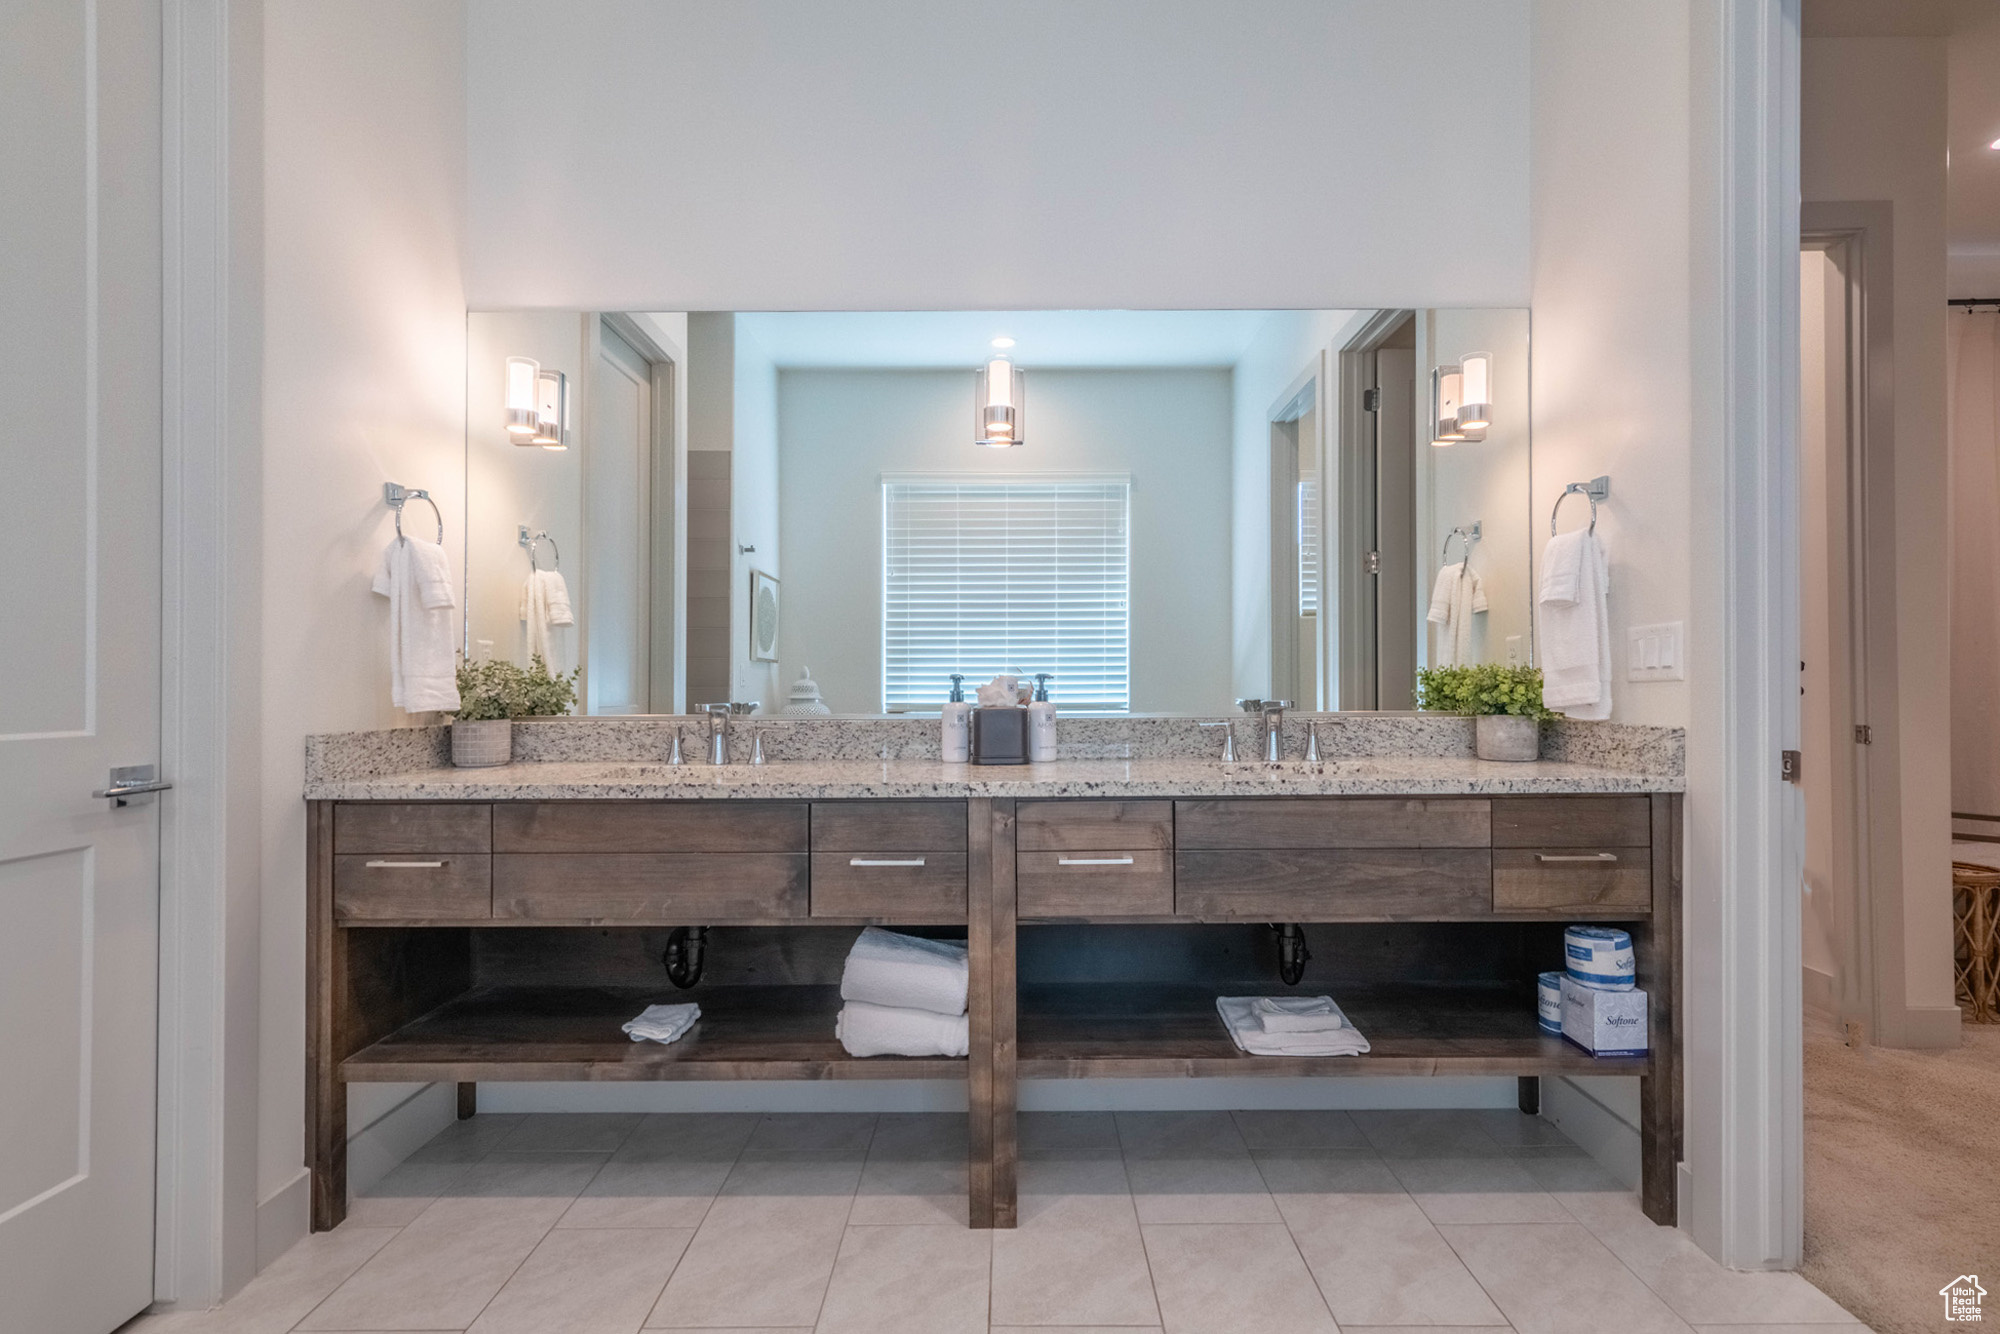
x=907, y=972
x=545, y=609
x=423, y=667
x=1298, y=1014
x=1239, y=1016
x=1457, y=595
x=884, y=1030
x=1575, y=626
x=663, y=1023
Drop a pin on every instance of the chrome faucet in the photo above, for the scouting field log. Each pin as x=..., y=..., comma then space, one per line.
x=1228, y=740
x=718, y=728
x=1273, y=711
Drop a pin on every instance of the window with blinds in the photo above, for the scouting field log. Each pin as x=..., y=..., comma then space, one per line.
x=1308, y=517
x=1017, y=575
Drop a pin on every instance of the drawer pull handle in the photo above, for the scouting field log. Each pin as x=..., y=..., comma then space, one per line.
x=1093, y=861
x=404, y=866
x=885, y=861
x=1576, y=857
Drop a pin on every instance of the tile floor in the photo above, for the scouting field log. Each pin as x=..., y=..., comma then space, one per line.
x=1177, y=1222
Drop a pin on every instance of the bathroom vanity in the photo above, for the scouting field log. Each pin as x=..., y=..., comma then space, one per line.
x=490, y=925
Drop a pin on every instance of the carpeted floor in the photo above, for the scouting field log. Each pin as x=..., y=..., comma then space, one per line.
x=1902, y=1176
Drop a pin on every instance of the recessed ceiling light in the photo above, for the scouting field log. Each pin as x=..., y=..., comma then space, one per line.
x=1994, y=144
x=1004, y=341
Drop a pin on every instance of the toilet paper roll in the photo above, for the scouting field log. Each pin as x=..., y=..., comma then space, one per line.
x=1549, y=1003
x=1600, y=957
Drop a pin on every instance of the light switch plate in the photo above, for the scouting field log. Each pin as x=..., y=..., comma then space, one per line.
x=1653, y=653
x=1513, y=650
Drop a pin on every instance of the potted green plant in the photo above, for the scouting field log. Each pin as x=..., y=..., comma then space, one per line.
x=491, y=696
x=1504, y=702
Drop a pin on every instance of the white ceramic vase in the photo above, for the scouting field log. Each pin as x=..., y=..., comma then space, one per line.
x=1507, y=736
x=483, y=744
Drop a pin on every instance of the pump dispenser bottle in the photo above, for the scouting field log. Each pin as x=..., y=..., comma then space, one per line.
x=1041, y=723
x=957, y=724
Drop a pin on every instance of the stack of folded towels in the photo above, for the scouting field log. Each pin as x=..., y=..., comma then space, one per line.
x=905, y=996
x=1289, y=1026
x=663, y=1023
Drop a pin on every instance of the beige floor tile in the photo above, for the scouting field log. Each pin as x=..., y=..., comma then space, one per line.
x=1558, y=1279
x=909, y=1280
x=1379, y=1261
x=794, y=1176
x=471, y=1139
x=1076, y=1329
x=758, y=1259
x=1300, y=1180
x=1476, y=1190
x=919, y=1135
x=405, y=1192
x=1077, y=1189
x=1199, y=1190
x=811, y=1132
x=1040, y=1132
x=648, y=1192
x=910, y=1191
x=288, y=1289
x=1231, y=1277
x=441, y=1270
x=1074, y=1260
x=1811, y=1328
x=509, y=1175
x=1517, y=1130
x=1179, y=1135
x=1432, y=1133
x=709, y=1136
x=577, y=1132
x=1301, y=1130
x=586, y=1283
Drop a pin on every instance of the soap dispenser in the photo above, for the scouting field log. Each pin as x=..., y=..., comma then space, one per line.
x=1041, y=723
x=957, y=724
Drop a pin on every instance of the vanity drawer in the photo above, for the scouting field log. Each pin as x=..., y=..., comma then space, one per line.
x=1564, y=881
x=1572, y=822
x=666, y=888
x=865, y=826
x=1304, y=884
x=913, y=885
x=416, y=826
x=1096, y=883
x=1090, y=826
x=445, y=886
x=1334, y=822
x=649, y=826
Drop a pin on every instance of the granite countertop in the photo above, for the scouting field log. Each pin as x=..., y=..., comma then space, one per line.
x=1408, y=775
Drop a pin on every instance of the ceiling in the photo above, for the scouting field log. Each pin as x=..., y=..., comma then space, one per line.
x=1043, y=338
x=1972, y=190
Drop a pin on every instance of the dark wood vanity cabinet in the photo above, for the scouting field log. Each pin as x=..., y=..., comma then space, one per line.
x=507, y=940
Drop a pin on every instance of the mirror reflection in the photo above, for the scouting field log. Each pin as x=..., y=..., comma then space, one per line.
x=1164, y=511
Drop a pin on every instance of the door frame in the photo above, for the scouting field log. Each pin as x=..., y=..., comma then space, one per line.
x=1357, y=677
x=1296, y=405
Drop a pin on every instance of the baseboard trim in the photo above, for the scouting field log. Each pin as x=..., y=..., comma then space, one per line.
x=1818, y=993
x=282, y=1218
x=1594, y=1127
x=376, y=1148
x=1926, y=1027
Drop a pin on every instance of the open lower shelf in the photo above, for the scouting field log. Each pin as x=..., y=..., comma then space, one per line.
x=1135, y=1031
x=573, y=1033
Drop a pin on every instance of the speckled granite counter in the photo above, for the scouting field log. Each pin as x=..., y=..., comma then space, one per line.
x=831, y=779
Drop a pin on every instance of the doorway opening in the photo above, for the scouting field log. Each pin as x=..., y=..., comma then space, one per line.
x=1376, y=558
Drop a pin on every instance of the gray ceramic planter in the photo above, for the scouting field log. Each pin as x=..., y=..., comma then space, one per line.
x=482, y=745
x=1506, y=736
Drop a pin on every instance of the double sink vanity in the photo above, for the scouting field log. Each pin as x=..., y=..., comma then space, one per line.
x=500, y=924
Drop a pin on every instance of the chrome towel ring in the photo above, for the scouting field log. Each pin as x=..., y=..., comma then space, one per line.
x=1594, y=490
x=1467, y=536
x=532, y=540
x=398, y=496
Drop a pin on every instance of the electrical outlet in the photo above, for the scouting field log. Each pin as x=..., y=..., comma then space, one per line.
x=1653, y=653
x=1513, y=650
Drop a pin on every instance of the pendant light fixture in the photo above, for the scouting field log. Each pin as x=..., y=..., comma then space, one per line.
x=999, y=395
x=523, y=374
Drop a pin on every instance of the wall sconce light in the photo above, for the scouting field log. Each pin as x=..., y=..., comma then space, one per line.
x=551, y=411
x=999, y=399
x=1445, y=385
x=1475, y=399
x=522, y=419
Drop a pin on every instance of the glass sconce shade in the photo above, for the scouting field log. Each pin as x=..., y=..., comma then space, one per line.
x=1445, y=383
x=1475, y=400
x=522, y=419
x=551, y=411
x=998, y=401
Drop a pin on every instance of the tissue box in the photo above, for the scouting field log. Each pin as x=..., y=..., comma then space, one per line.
x=1604, y=1023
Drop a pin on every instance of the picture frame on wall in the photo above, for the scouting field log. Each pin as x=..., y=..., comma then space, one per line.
x=763, y=617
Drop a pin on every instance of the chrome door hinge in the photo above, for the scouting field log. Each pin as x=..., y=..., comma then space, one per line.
x=1864, y=735
x=1788, y=765
x=1371, y=400
x=1371, y=563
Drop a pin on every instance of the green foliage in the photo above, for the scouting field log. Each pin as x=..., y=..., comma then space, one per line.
x=493, y=690
x=1485, y=687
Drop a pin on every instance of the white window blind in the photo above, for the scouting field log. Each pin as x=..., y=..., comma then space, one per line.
x=1309, y=543
x=989, y=576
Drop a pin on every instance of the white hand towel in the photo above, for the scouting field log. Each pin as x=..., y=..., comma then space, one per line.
x=1458, y=593
x=908, y=972
x=884, y=1030
x=423, y=668
x=663, y=1023
x=1239, y=1016
x=1576, y=626
x=1298, y=1014
x=545, y=609
x=555, y=596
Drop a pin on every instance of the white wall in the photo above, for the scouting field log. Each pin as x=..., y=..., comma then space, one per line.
x=1874, y=128
x=364, y=382
x=840, y=430
x=830, y=157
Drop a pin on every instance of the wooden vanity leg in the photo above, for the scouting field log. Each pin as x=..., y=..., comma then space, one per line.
x=979, y=1012
x=326, y=991
x=1528, y=1094
x=1006, y=1087
x=468, y=1101
x=1660, y=1090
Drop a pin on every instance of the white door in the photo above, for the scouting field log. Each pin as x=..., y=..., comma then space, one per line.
x=617, y=550
x=79, y=690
